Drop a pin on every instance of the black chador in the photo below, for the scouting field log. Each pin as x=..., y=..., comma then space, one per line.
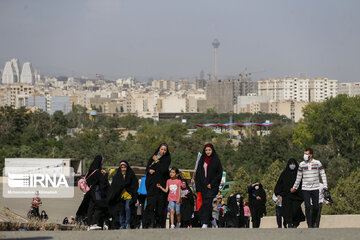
x=156, y=199
x=235, y=215
x=119, y=183
x=209, y=171
x=291, y=202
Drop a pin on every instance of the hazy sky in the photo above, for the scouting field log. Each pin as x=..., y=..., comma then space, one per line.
x=172, y=38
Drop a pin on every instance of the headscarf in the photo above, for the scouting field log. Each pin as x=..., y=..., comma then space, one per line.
x=96, y=164
x=207, y=158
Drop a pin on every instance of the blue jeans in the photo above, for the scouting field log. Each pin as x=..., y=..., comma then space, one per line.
x=174, y=206
x=126, y=223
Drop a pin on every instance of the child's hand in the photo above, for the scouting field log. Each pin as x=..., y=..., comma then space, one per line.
x=158, y=185
x=178, y=201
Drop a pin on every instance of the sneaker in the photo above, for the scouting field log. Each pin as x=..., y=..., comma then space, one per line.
x=106, y=227
x=95, y=227
x=128, y=226
x=172, y=226
x=204, y=226
x=178, y=225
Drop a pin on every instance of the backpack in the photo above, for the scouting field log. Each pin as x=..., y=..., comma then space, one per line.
x=82, y=183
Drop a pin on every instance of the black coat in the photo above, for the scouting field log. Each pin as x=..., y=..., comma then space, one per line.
x=214, y=175
x=161, y=174
x=118, y=184
x=257, y=207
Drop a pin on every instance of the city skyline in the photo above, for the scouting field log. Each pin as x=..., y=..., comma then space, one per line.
x=172, y=40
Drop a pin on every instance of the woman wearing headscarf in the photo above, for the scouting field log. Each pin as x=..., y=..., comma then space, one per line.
x=235, y=216
x=94, y=202
x=291, y=202
x=187, y=204
x=207, y=181
x=123, y=194
x=257, y=201
x=157, y=172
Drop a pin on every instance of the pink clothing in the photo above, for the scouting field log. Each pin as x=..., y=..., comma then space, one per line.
x=174, y=186
x=246, y=211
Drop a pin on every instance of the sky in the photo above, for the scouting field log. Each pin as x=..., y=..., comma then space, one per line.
x=171, y=39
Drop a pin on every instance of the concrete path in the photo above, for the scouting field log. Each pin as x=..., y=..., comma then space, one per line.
x=198, y=234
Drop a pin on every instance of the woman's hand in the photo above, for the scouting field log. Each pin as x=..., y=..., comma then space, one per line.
x=103, y=171
x=258, y=198
x=208, y=186
x=151, y=171
x=154, y=157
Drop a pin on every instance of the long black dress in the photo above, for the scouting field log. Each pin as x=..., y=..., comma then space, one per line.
x=257, y=207
x=118, y=184
x=156, y=198
x=291, y=202
x=214, y=174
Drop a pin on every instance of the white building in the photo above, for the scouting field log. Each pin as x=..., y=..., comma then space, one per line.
x=16, y=65
x=297, y=89
x=9, y=75
x=352, y=88
x=27, y=74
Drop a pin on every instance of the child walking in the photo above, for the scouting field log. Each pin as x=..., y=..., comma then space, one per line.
x=173, y=186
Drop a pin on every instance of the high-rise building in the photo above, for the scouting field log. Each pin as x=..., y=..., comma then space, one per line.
x=9, y=75
x=18, y=94
x=216, y=45
x=301, y=90
x=16, y=65
x=352, y=88
x=220, y=96
x=27, y=74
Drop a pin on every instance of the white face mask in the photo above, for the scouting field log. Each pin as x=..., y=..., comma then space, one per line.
x=292, y=166
x=256, y=187
x=306, y=157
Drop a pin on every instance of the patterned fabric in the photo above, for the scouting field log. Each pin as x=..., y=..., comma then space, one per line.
x=309, y=172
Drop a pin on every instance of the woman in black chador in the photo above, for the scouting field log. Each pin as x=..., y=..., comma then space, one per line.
x=94, y=202
x=257, y=201
x=291, y=202
x=207, y=181
x=123, y=195
x=157, y=171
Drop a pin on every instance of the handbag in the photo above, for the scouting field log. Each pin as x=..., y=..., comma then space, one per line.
x=199, y=201
x=142, y=187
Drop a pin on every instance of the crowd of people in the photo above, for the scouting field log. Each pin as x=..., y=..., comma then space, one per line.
x=124, y=203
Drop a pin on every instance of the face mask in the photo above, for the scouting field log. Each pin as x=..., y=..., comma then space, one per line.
x=256, y=187
x=306, y=157
x=292, y=166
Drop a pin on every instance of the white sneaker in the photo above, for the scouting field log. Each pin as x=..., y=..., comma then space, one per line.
x=204, y=226
x=178, y=225
x=106, y=227
x=95, y=227
x=172, y=226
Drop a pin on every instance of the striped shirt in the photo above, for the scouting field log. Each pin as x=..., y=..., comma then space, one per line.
x=309, y=173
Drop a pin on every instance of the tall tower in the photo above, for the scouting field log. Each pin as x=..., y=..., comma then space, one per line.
x=27, y=74
x=216, y=45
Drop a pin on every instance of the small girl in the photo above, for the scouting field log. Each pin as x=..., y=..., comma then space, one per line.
x=174, y=185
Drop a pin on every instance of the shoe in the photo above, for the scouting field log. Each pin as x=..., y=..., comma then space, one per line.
x=172, y=226
x=204, y=226
x=95, y=227
x=128, y=226
x=178, y=225
x=106, y=227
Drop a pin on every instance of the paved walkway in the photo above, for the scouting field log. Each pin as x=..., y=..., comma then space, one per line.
x=198, y=234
